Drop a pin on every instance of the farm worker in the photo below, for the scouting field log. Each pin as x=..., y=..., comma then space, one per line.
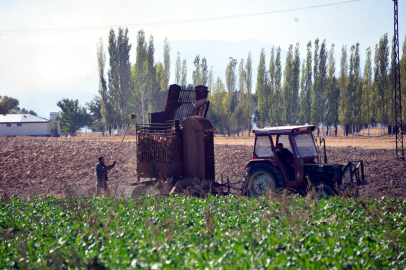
x=101, y=171
x=285, y=156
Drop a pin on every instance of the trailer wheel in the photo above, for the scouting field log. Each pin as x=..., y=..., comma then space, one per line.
x=262, y=178
x=324, y=191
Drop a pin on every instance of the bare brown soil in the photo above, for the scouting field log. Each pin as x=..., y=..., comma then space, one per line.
x=58, y=166
x=55, y=166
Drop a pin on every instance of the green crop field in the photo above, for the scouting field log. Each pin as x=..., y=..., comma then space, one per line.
x=180, y=232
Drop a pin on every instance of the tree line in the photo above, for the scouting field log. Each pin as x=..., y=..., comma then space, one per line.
x=311, y=91
x=317, y=90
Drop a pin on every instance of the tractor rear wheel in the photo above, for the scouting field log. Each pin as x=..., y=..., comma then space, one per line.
x=262, y=178
x=324, y=191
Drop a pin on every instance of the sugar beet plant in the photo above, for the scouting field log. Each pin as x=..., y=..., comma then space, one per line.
x=180, y=232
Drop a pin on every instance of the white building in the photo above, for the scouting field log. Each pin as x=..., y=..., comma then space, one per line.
x=29, y=125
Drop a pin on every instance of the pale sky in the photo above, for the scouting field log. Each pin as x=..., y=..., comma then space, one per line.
x=47, y=65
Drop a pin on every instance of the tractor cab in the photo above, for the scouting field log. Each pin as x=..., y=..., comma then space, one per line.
x=297, y=140
x=287, y=156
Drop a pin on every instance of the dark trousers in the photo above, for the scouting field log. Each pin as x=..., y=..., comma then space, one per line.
x=101, y=187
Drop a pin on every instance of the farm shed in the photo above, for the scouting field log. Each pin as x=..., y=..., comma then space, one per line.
x=27, y=125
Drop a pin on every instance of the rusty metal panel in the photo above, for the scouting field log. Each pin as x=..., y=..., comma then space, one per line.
x=209, y=156
x=172, y=102
x=152, y=170
x=202, y=143
x=190, y=149
x=159, y=151
x=175, y=169
x=201, y=92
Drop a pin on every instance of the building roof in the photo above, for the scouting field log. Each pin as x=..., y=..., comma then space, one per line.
x=21, y=118
x=285, y=129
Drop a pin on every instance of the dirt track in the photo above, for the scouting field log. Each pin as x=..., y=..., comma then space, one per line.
x=49, y=166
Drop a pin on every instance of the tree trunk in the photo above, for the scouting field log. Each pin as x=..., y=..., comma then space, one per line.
x=249, y=133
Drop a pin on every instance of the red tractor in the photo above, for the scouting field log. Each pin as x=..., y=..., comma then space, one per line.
x=272, y=169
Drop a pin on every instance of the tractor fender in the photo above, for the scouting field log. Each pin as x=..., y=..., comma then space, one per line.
x=255, y=161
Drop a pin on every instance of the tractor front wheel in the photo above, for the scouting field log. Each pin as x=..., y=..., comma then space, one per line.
x=262, y=178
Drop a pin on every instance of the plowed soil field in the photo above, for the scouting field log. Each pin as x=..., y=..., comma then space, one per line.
x=59, y=166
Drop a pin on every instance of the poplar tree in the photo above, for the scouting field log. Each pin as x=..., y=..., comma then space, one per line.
x=113, y=76
x=103, y=92
x=119, y=74
x=351, y=89
x=342, y=82
x=210, y=81
x=124, y=73
x=305, y=102
x=219, y=101
x=178, y=70
x=287, y=90
x=391, y=88
x=241, y=93
x=272, y=105
x=315, y=106
x=381, y=81
x=196, y=75
x=184, y=74
x=291, y=86
x=167, y=62
x=402, y=63
x=367, y=90
x=248, y=94
x=333, y=92
x=262, y=91
x=231, y=81
x=152, y=86
x=301, y=118
x=277, y=98
x=355, y=87
x=295, y=86
x=204, y=72
x=139, y=75
x=241, y=83
x=321, y=84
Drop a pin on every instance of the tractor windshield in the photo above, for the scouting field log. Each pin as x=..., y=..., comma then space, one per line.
x=304, y=144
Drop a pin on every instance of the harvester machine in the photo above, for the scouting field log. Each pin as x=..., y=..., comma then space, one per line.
x=175, y=149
